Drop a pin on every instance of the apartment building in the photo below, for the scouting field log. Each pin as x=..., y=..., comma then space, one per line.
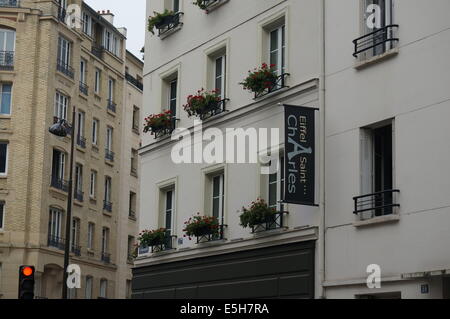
x=51, y=63
x=213, y=47
x=387, y=149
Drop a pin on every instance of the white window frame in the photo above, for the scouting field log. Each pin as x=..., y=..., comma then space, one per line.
x=103, y=288
x=55, y=223
x=2, y=215
x=108, y=187
x=10, y=97
x=79, y=177
x=105, y=240
x=5, y=173
x=64, y=51
x=81, y=123
x=111, y=84
x=83, y=65
x=93, y=184
x=95, y=126
x=109, y=138
x=221, y=196
x=171, y=210
x=279, y=186
x=75, y=232
x=4, y=45
x=61, y=105
x=222, y=76
x=97, y=81
x=87, y=24
x=88, y=289
x=91, y=236
x=280, y=49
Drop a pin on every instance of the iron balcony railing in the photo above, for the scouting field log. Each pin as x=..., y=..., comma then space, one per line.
x=166, y=245
x=62, y=14
x=75, y=249
x=106, y=258
x=98, y=51
x=213, y=235
x=10, y=3
x=107, y=206
x=378, y=41
x=81, y=141
x=56, y=242
x=84, y=88
x=169, y=23
x=109, y=155
x=279, y=84
x=376, y=204
x=273, y=222
x=131, y=79
x=6, y=60
x=215, y=109
x=165, y=130
x=60, y=184
x=111, y=106
x=64, y=68
x=79, y=195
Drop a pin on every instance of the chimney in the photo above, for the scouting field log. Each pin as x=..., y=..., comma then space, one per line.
x=108, y=16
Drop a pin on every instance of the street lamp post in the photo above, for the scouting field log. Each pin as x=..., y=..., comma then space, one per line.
x=61, y=129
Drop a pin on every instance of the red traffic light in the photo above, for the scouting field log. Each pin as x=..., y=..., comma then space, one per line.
x=27, y=271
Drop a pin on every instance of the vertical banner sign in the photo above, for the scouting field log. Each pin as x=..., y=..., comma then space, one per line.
x=300, y=144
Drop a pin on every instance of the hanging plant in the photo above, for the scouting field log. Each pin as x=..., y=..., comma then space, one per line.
x=150, y=238
x=202, y=102
x=258, y=213
x=200, y=226
x=201, y=4
x=159, y=20
x=259, y=80
x=158, y=122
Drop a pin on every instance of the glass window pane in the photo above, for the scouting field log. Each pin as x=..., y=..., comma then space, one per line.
x=6, y=99
x=3, y=157
x=10, y=37
x=216, y=186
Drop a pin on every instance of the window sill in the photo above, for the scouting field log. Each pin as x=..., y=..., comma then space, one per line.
x=362, y=64
x=172, y=31
x=377, y=221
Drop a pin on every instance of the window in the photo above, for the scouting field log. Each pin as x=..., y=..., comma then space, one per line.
x=58, y=167
x=61, y=104
x=5, y=99
x=219, y=75
x=95, y=125
x=103, y=288
x=3, y=158
x=54, y=224
x=130, y=246
x=169, y=211
x=128, y=287
x=97, y=81
x=108, y=189
x=277, y=49
x=111, y=84
x=80, y=124
x=75, y=235
x=83, y=71
x=88, y=289
x=173, y=97
x=276, y=187
x=7, y=47
x=2, y=214
x=107, y=40
x=64, y=48
x=78, y=178
x=105, y=240
x=109, y=138
x=132, y=210
x=91, y=234
x=93, y=185
x=136, y=119
x=87, y=24
x=218, y=195
x=134, y=162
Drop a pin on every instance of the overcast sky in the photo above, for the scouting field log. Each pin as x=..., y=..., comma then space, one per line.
x=129, y=14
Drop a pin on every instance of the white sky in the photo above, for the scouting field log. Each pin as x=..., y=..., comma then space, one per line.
x=129, y=14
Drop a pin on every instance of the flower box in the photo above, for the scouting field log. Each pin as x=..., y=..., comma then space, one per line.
x=259, y=80
x=201, y=226
x=202, y=103
x=258, y=213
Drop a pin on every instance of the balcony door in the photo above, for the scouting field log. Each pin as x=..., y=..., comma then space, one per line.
x=278, y=49
x=54, y=224
x=58, y=167
x=377, y=15
x=7, y=47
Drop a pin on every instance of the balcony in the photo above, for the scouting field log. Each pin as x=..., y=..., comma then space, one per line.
x=107, y=206
x=209, y=5
x=81, y=141
x=56, y=242
x=10, y=3
x=98, y=51
x=134, y=81
x=216, y=109
x=109, y=155
x=111, y=106
x=65, y=69
x=166, y=245
x=376, y=204
x=274, y=222
x=79, y=195
x=75, y=249
x=106, y=258
x=212, y=236
x=84, y=88
x=279, y=84
x=165, y=130
x=169, y=24
x=60, y=184
x=376, y=43
x=6, y=60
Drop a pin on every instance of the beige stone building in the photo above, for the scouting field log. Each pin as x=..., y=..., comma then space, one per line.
x=50, y=64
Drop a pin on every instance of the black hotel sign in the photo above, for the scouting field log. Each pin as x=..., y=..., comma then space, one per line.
x=300, y=147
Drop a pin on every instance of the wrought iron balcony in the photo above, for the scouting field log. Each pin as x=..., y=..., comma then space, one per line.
x=213, y=235
x=65, y=69
x=109, y=155
x=106, y=258
x=169, y=23
x=216, y=109
x=56, y=242
x=134, y=81
x=81, y=141
x=6, y=60
x=84, y=88
x=79, y=195
x=62, y=14
x=10, y=3
x=60, y=184
x=279, y=84
x=166, y=245
x=107, y=206
x=75, y=249
x=165, y=130
x=111, y=106
x=376, y=42
x=271, y=223
x=210, y=4
x=98, y=51
x=376, y=204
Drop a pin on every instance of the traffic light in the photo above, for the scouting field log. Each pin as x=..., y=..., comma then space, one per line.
x=26, y=282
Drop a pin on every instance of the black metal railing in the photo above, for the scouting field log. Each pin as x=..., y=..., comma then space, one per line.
x=79, y=195
x=278, y=84
x=169, y=23
x=111, y=106
x=6, y=60
x=106, y=258
x=273, y=222
x=166, y=245
x=81, y=141
x=56, y=242
x=376, y=204
x=75, y=249
x=10, y=3
x=60, y=184
x=207, y=4
x=213, y=235
x=109, y=155
x=107, y=206
x=167, y=130
x=84, y=88
x=378, y=41
x=98, y=51
x=62, y=14
x=131, y=79
x=64, y=68
x=215, y=109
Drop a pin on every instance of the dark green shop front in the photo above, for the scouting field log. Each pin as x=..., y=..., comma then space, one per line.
x=285, y=271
